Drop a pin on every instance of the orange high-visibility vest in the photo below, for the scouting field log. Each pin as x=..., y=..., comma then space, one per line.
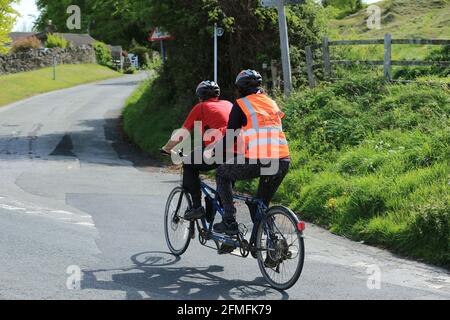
x=263, y=136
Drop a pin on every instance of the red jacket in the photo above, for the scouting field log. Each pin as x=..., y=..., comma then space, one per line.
x=213, y=114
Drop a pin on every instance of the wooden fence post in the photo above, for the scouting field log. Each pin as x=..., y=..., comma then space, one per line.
x=326, y=58
x=309, y=67
x=387, y=56
x=274, y=72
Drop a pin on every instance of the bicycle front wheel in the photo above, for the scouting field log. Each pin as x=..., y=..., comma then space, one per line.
x=281, y=250
x=177, y=230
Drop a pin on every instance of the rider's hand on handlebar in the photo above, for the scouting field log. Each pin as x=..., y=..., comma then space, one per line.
x=164, y=151
x=208, y=153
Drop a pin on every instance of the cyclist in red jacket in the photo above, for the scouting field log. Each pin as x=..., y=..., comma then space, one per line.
x=210, y=113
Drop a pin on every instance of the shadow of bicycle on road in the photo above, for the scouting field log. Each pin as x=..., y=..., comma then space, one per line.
x=154, y=274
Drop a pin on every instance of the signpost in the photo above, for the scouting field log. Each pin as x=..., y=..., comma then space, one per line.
x=284, y=39
x=218, y=32
x=54, y=67
x=160, y=35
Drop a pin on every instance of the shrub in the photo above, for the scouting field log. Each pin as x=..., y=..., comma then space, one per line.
x=55, y=41
x=25, y=44
x=103, y=54
x=346, y=7
x=130, y=70
x=143, y=54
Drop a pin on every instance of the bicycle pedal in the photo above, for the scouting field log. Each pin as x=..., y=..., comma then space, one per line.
x=225, y=249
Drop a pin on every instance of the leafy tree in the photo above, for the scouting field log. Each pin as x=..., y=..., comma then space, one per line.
x=103, y=54
x=251, y=35
x=251, y=38
x=56, y=11
x=251, y=32
x=7, y=19
x=110, y=21
x=347, y=6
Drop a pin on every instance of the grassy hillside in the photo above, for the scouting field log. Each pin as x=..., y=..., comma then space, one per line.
x=148, y=123
x=18, y=86
x=403, y=19
x=371, y=162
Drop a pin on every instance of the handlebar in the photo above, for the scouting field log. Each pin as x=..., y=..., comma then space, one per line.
x=179, y=153
x=164, y=152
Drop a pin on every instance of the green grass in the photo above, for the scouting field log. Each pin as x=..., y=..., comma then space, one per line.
x=18, y=86
x=148, y=123
x=401, y=18
x=370, y=160
x=405, y=19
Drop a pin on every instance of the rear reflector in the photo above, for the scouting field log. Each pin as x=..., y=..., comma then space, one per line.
x=301, y=226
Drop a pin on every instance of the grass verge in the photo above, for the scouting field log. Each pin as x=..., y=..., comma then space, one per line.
x=370, y=159
x=147, y=120
x=371, y=162
x=14, y=87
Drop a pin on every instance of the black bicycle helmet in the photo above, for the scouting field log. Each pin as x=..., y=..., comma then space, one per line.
x=248, y=79
x=207, y=90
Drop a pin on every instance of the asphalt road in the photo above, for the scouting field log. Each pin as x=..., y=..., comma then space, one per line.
x=77, y=202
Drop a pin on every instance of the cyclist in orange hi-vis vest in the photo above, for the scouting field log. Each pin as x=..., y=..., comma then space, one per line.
x=262, y=149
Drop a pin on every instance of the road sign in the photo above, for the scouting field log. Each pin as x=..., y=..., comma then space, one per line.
x=158, y=34
x=220, y=32
x=275, y=3
x=269, y=3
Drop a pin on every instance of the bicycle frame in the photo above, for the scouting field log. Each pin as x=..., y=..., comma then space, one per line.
x=267, y=243
x=213, y=196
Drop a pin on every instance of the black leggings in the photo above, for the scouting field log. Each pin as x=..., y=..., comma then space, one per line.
x=268, y=184
x=191, y=179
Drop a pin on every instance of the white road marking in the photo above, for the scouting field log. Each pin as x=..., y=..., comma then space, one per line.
x=11, y=208
x=62, y=211
x=61, y=215
x=88, y=224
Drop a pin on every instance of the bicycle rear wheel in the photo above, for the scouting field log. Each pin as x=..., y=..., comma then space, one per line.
x=177, y=230
x=281, y=250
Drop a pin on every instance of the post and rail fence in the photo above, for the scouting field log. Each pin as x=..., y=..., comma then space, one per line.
x=387, y=62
